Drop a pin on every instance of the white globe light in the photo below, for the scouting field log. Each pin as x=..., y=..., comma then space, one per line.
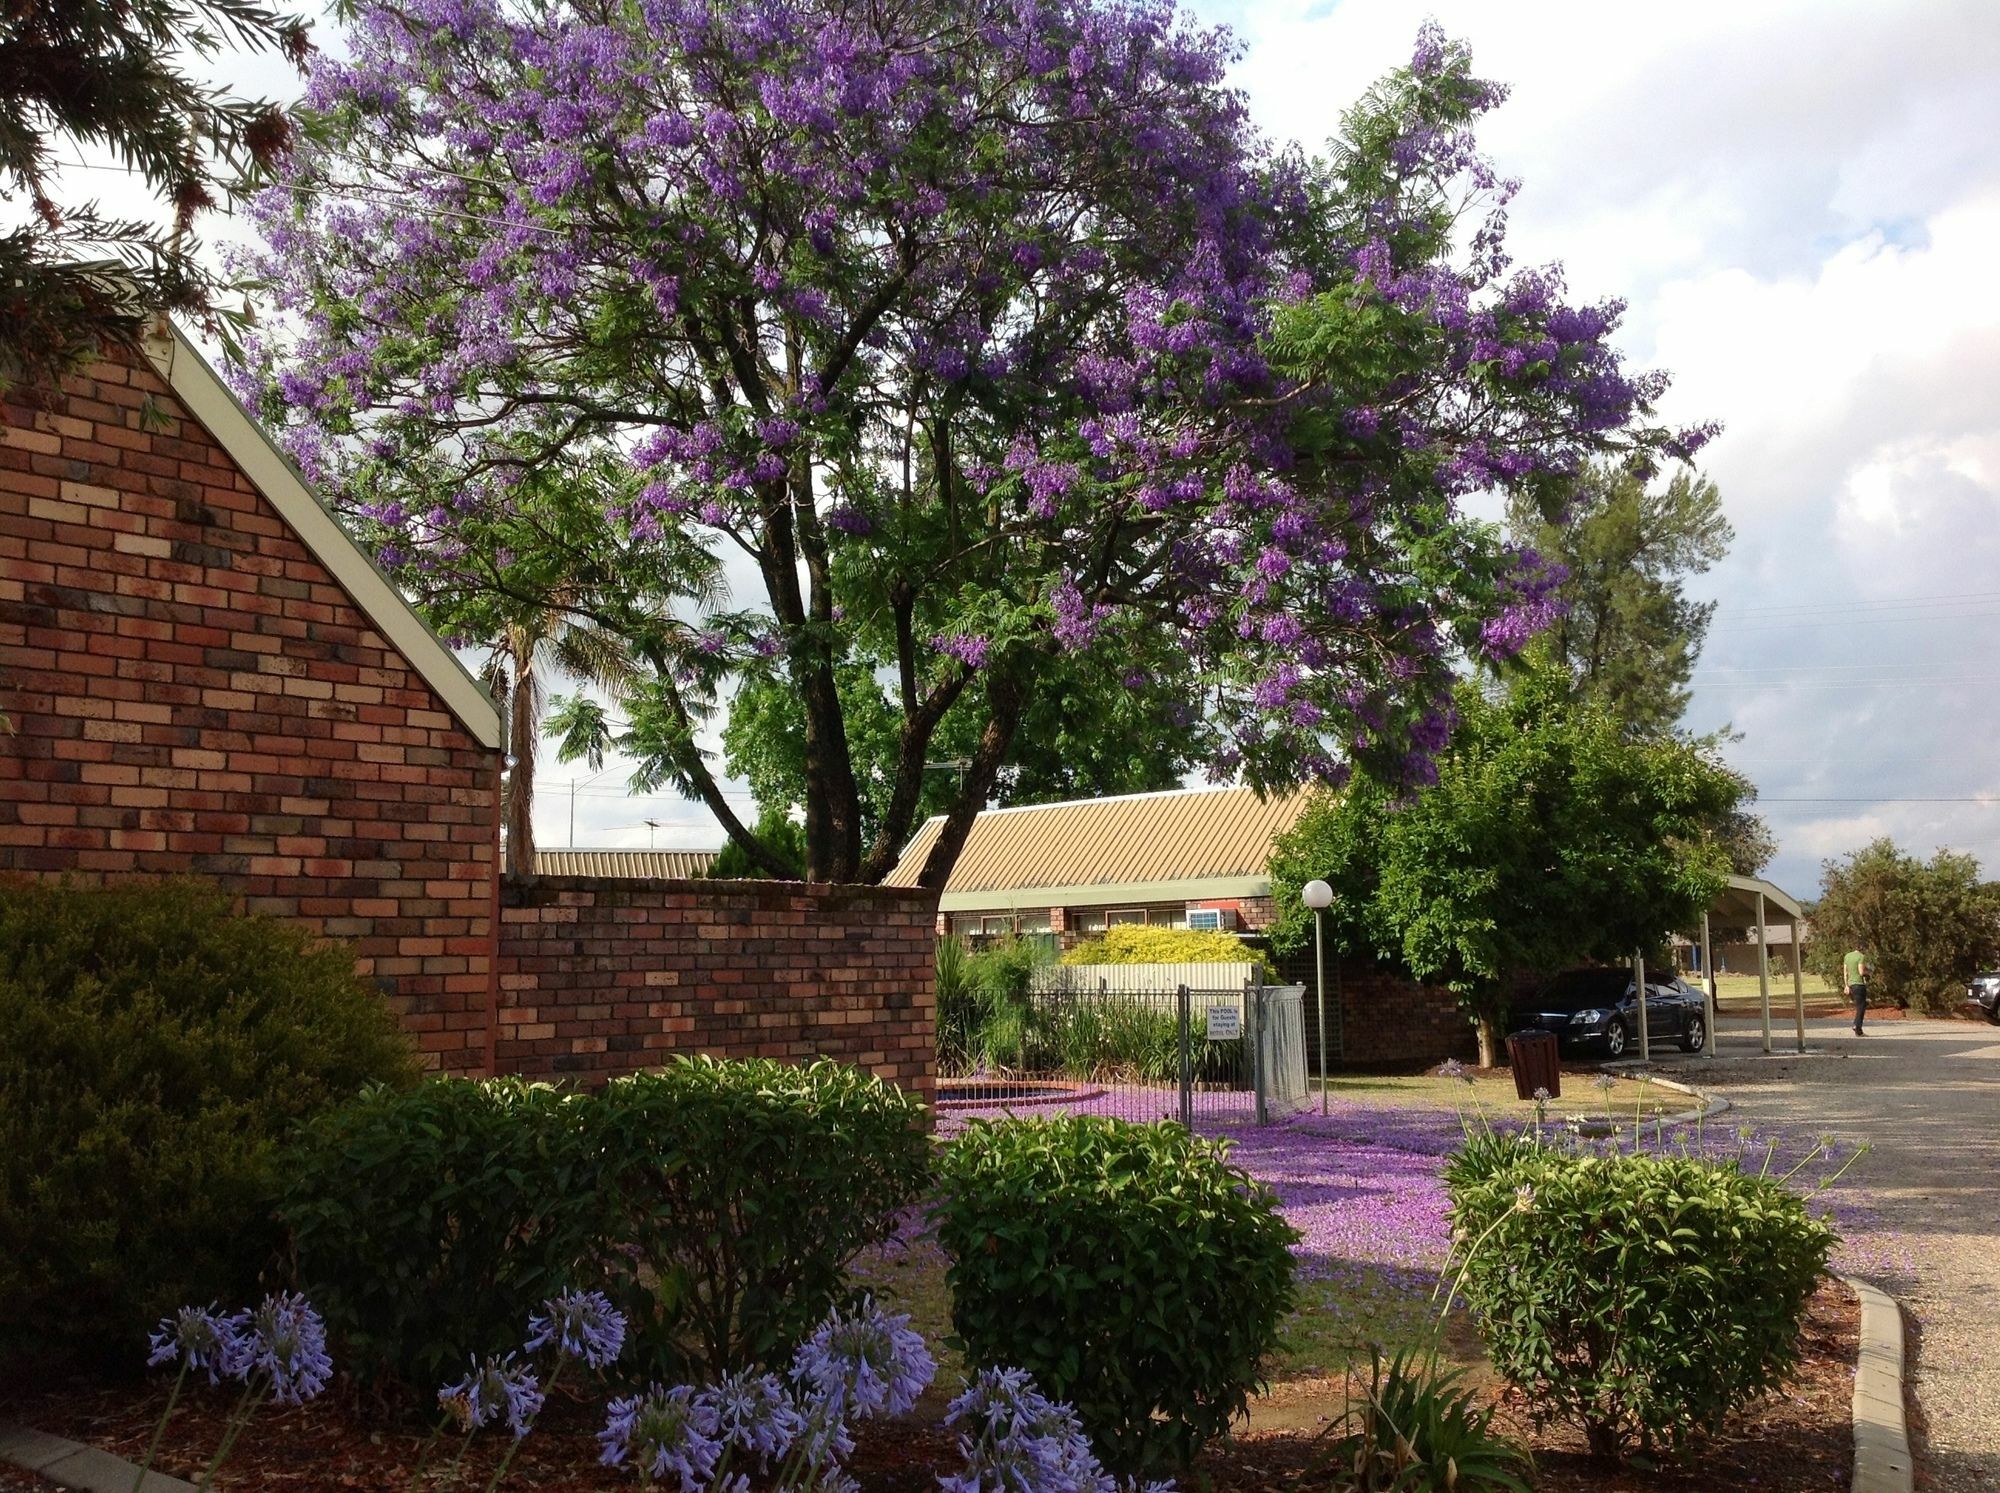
x=1317, y=895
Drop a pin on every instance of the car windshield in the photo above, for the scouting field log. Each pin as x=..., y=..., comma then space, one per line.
x=1576, y=989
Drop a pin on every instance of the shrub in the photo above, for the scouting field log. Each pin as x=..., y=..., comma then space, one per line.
x=1137, y=943
x=427, y=1223
x=740, y=1194
x=153, y=1048
x=1416, y=1429
x=957, y=1006
x=1129, y=1268
x=1642, y=1296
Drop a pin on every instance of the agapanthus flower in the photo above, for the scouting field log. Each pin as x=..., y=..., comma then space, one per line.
x=1014, y=1439
x=287, y=1343
x=205, y=1340
x=866, y=1362
x=581, y=1324
x=755, y=1414
x=498, y=1389
x=663, y=1431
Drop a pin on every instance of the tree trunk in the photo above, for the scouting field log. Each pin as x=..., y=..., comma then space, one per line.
x=1491, y=1053
x=524, y=725
x=1007, y=698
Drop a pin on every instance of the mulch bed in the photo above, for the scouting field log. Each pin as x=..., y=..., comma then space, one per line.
x=1795, y=1440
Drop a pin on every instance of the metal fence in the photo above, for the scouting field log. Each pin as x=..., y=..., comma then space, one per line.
x=1206, y=1057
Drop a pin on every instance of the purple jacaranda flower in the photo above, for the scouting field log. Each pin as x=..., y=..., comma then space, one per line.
x=203, y=1340
x=498, y=1389
x=968, y=648
x=286, y=1342
x=866, y=1362
x=663, y=1431
x=581, y=1324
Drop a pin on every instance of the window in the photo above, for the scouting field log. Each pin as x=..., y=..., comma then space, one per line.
x=965, y=924
x=997, y=925
x=1121, y=915
x=1034, y=922
x=1087, y=920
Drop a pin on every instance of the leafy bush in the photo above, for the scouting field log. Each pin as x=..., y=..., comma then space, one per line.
x=741, y=1192
x=426, y=1223
x=958, y=1007
x=1415, y=1430
x=1139, y=943
x=1129, y=1268
x=1643, y=1296
x=153, y=1049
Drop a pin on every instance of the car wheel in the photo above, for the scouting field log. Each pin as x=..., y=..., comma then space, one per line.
x=1614, y=1039
x=1695, y=1036
x=1994, y=1014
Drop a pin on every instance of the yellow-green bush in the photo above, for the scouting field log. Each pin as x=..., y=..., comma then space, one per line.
x=1138, y=943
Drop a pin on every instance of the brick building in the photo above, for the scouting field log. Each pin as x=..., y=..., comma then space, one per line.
x=204, y=676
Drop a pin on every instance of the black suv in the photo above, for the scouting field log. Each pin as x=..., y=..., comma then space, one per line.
x=1985, y=994
x=1592, y=1010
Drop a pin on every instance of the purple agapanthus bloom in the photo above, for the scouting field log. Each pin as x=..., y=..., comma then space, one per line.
x=663, y=1431
x=754, y=1413
x=498, y=1389
x=866, y=1362
x=581, y=1324
x=1014, y=1439
x=287, y=1343
x=204, y=1340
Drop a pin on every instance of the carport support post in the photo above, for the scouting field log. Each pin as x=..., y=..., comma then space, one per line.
x=1639, y=994
x=1763, y=972
x=1708, y=985
x=1798, y=984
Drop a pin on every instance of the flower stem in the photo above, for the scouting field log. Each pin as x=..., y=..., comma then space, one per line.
x=153, y=1447
x=253, y=1396
x=424, y=1456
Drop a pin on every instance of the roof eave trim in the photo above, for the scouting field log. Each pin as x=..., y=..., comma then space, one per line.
x=1107, y=894
x=217, y=410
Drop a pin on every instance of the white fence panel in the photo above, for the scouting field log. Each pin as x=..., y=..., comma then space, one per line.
x=1080, y=979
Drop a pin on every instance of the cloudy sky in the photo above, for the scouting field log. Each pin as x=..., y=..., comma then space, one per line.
x=1800, y=200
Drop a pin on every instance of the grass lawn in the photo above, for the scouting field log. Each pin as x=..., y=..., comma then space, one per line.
x=1493, y=1091
x=1734, y=991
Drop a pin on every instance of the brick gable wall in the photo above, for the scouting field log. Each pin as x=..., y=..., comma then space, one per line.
x=601, y=976
x=191, y=692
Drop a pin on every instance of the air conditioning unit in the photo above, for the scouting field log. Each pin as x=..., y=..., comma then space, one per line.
x=1211, y=919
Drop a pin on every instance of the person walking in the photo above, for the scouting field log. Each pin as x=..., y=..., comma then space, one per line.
x=1855, y=967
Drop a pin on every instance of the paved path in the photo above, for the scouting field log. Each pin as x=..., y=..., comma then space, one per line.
x=1927, y=1095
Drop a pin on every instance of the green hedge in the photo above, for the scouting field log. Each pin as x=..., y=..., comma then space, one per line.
x=1641, y=1296
x=1129, y=1268
x=154, y=1047
x=720, y=1203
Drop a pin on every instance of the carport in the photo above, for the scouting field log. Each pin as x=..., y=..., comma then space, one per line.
x=1752, y=902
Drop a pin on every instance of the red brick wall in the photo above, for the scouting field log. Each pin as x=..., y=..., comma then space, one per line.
x=191, y=692
x=1386, y=1021
x=601, y=976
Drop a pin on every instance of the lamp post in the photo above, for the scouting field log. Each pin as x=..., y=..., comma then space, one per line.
x=1319, y=897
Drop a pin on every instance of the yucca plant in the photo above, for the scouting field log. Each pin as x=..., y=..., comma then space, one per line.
x=1419, y=1429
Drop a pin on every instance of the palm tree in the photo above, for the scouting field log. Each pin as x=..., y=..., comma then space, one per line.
x=529, y=644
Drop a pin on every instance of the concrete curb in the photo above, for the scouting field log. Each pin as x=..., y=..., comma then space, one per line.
x=74, y=1465
x=1711, y=1105
x=1882, y=1461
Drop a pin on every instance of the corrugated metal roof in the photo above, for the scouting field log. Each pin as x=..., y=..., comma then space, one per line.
x=674, y=865
x=1180, y=835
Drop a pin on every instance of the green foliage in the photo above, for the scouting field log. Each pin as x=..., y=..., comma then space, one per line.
x=1416, y=1430
x=720, y=1203
x=1928, y=926
x=153, y=1049
x=426, y=1223
x=958, y=1008
x=1129, y=1268
x=1140, y=943
x=783, y=837
x=1551, y=838
x=1641, y=1296
x=740, y=1193
x=1629, y=635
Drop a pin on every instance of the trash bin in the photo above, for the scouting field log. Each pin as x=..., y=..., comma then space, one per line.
x=1536, y=1062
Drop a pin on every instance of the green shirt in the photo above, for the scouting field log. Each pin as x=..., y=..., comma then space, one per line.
x=1856, y=967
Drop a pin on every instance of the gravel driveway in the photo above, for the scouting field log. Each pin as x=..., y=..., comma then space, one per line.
x=1926, y=1094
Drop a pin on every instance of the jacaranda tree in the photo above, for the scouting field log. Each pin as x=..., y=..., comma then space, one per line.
x=981, y=331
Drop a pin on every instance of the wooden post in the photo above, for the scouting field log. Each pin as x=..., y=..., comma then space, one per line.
x=1708, y=984
x=1763, y=972
x=1799, y=983
x=1639, y=993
